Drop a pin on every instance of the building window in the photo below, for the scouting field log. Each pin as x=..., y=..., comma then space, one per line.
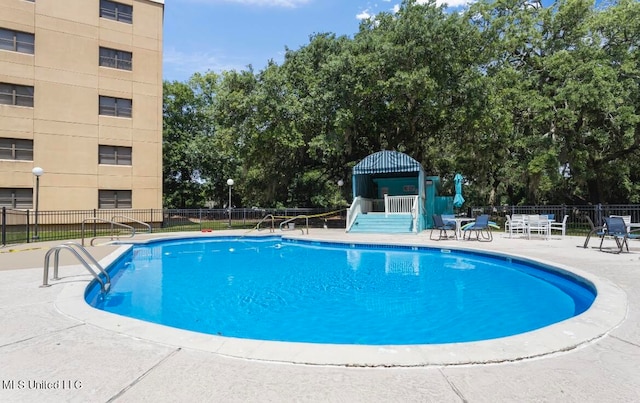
x=16, y=198
x=113, y=155
x=16, y=149
x=110, y=106
x=17, y=41
x=117, y=59
x=114, y=199
x=12, y=94
x=116, y=11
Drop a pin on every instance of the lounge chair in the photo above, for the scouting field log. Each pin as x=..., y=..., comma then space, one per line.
x=481, y=227
x=616, y=227
x=438, y=224
x=449, y=219
x=626, y=218
x=598, y=231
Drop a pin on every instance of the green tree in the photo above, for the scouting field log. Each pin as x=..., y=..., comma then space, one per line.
x=531, y=104
x=197, y=158
x=184, y=125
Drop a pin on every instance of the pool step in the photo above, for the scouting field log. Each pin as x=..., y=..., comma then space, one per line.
x=378, y=223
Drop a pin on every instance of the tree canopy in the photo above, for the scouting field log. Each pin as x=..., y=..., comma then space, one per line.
x=531, y=104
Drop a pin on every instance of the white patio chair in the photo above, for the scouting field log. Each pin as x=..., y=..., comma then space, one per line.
x=538, y=224
x=515, y=224
x=559, y=226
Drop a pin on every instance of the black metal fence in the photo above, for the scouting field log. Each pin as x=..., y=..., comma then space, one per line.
x=21, y=226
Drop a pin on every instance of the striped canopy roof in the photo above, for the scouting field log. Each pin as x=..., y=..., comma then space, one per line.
x=386, y=162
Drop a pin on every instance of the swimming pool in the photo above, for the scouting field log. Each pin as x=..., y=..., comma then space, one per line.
x=270, y=288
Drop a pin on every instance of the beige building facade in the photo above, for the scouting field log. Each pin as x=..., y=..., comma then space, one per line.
x=81, y=98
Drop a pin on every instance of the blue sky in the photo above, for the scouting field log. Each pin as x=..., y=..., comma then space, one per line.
x=217, y=35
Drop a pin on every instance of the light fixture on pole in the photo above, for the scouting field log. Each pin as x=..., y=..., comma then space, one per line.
x=230, y=184
x=340, y=185
x=37, y=171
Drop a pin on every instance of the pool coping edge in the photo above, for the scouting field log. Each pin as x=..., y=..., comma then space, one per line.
x=607, y=312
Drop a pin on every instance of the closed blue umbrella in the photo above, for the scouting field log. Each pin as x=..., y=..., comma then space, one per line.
x=458, y=200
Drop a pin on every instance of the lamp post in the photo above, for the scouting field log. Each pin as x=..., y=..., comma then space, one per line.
x=230, y=184
x=37, y=171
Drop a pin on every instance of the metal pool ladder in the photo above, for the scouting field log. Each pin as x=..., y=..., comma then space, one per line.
x=76, y=249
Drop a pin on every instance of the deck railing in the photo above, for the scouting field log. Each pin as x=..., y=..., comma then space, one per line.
x=360, y=205
x=400, y=204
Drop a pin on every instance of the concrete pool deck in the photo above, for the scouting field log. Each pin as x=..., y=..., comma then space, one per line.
x=54, y=348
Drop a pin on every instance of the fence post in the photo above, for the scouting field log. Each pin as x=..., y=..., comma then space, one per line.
x=200, y=217
x=95, y=214
x=151, y=219
x=28, y=227
x=3, y=236
x=599, y=213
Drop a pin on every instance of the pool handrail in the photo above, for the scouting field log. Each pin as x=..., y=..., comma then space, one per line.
x=74, y=247
x=306, y=217
x=113, y=223
x=149, y=229
x=273, y=228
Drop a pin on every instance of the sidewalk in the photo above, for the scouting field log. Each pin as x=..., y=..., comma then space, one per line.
x=30, y=255
x=48, y=355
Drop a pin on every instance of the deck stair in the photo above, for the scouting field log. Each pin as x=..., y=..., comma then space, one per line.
x=399, y=223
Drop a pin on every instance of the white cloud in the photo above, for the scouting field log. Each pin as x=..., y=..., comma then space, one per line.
x=264, y=3
x=396, y=7
x=450, y=3
x=363, y=15
x=179, y=65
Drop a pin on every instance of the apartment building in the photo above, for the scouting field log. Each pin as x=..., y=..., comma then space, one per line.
x=81, y=98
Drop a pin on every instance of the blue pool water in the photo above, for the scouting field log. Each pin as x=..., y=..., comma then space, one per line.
x=270, y=288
